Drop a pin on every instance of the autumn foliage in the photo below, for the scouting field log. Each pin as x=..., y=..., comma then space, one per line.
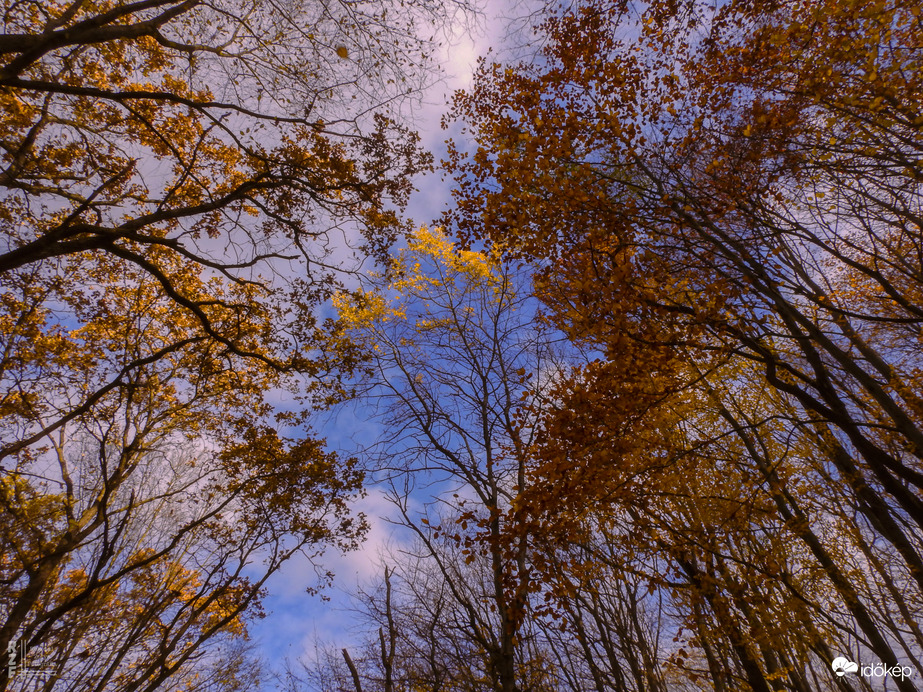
x=722, y=207
x=452, y=349
x=665, y=394
x=175, y=176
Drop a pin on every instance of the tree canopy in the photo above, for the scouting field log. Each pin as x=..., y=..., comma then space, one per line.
x=717, y=484
x=181, y=181
x=721, y=202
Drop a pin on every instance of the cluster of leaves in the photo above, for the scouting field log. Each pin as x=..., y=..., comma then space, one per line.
x=722, y=204
x=174, y=174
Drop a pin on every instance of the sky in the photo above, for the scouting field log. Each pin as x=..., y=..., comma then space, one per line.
x=296, y=622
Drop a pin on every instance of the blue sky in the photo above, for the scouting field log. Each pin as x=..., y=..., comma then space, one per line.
x=295, y=620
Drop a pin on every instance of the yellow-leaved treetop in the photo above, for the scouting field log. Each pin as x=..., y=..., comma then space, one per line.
x=451, y=353
x=424, y=276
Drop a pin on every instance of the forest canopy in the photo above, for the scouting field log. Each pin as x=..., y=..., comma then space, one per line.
x=722, y=207
x=719, y=205
x=181, y=180
x=649, y=404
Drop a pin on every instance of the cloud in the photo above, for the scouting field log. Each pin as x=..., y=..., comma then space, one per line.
x=296, y=621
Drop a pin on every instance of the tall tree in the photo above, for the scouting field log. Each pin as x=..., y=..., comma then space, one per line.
x=452, y=353
x=146, y=527
x=704, y=182
x=188, y=138
x=175, y=177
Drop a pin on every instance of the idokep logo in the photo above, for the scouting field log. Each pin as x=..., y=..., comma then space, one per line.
x=841, y=666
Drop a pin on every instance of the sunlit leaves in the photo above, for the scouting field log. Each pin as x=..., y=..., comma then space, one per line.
x=172, y=171
x=723, y=198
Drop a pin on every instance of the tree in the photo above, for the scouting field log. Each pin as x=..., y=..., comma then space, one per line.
x=452, y=354
x=175, y=174
x=146, y=528
x=117, y=152
x=705, y=185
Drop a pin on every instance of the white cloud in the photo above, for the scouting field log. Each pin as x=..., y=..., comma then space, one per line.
x=297, y=620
